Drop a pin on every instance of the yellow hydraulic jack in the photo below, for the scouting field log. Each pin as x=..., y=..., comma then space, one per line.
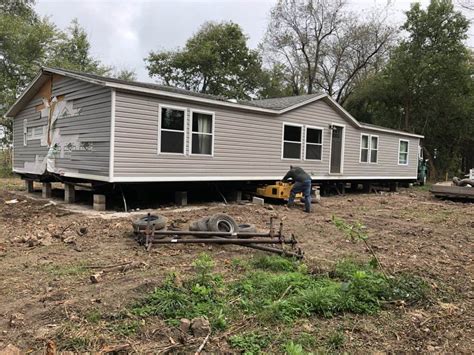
x=280, y=191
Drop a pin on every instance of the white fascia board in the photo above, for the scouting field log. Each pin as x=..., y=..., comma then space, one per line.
x=392, y=131
x=69, y=174
x=247, y=178
x=188, y=97
x=37, y=77
x=303, y=103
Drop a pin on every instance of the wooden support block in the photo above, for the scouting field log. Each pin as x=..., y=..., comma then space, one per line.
x=99, y=202
x=341, y=188
x=46, y=190
x=393, y=186
x=29, y=185
x=367, y=187
x=181, y=198
x=258, y=201
x=69, y=193
x=234, y=196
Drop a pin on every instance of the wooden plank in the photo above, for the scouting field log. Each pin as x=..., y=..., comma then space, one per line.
x=452, y=191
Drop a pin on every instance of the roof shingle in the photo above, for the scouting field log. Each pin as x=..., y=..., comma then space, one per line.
x=277, y=104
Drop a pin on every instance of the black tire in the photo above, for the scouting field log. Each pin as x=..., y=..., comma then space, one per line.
x=221, y=222
x=247, y=228
x=158, y=221
x=199, y=225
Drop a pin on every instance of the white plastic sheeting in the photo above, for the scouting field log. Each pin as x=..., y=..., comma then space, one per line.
x=56, y=142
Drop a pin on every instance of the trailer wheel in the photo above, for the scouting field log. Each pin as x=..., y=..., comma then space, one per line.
x=155, y=220
x=221, y=222
x=247, y=228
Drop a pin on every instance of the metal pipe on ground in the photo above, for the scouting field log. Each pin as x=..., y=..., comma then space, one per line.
x=223, y=241
x=214, y=234
x=297, y=255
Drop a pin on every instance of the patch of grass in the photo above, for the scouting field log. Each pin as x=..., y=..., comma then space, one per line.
x=277, y=291
x=75, y=344
x=277, y=263
x=126, y=328
x=292, y=348
x=200, y=296
x=308, y=341
x=239, y=264
x=249, y=343
x=11, y=184
x=336, y=340
x=66, y=270
x=425, y=187
x=93, y=316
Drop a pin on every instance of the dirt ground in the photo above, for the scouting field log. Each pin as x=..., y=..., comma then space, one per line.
x=48, y=252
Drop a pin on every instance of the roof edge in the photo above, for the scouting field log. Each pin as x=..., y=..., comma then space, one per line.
x=240, y=106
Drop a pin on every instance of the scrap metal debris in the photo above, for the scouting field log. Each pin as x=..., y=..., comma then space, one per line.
x=217, y=229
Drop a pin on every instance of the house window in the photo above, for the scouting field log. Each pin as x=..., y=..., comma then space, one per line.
x=202, y=138
x=369, y=146
x=34, y=132
x=172, y=130
x=314, y=143
x=374, y=146
x=403, y=152
x=292, y=139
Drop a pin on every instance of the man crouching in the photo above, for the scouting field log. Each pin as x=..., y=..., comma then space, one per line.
x=302, y=183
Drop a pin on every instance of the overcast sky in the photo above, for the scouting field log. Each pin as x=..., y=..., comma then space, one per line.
x=122, y=32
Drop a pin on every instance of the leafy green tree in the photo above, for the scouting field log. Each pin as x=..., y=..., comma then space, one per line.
x=125, y=74
x=274, y=83
x=26, y=41
x=72, y=51
x=427, y=86
x=215, y=60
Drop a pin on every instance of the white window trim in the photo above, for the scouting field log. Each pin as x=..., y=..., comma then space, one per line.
x=369, y=148
x=283, y=140
x=25, y=132
x=213, y=115
x=179, y=108
x=33, y=136
x=407, y=152
x=343, y=148
x=306, y=142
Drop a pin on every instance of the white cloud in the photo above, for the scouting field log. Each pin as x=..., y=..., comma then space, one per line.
x=122, y=33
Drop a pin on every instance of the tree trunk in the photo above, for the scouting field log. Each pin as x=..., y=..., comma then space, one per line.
x=433, y=173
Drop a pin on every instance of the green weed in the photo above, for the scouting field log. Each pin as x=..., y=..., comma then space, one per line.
x=277, y=263
x=93, y=316
x=284, y=293
x=292, y=348
x=199, y=296
x=126, y=328
x=336, y=340
x=249, y=343
x=67, y=270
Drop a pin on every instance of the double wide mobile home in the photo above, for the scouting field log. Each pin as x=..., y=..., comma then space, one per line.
x=81, y=126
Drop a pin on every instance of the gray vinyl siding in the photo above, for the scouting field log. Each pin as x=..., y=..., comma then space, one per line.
x=246, y=145
x=33, y=150
x=91, y=125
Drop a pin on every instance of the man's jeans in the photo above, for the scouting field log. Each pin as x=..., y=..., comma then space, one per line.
x=305, y=188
